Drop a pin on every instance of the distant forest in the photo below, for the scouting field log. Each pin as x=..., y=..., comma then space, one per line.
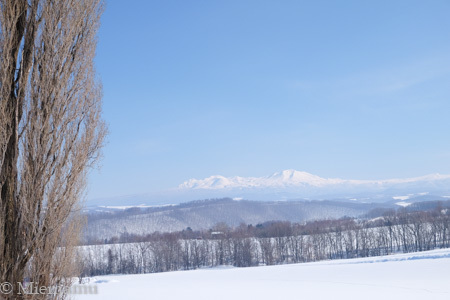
x=401, y=230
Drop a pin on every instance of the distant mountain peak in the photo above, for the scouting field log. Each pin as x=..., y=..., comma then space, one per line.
x=291, y=174
x=293, y=177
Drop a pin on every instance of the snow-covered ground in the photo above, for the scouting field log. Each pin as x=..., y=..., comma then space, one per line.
x=424, y=275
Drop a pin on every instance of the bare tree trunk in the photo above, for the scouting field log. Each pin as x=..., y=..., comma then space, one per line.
x=50, y=128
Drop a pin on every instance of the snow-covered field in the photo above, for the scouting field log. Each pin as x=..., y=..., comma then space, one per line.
x=424, y=275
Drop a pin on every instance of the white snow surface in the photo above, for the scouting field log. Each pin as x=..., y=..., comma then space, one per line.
x=401, y=197
x=403, y=203
x=411, y=276
x=292, y=178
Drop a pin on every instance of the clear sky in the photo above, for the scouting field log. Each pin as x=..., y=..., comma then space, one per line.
x=349, y=89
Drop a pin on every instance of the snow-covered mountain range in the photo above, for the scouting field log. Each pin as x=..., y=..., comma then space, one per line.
x=289, y=185
x=292, y=184
x=292, y=178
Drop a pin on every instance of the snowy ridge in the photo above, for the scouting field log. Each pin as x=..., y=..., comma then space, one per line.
x=293, y=178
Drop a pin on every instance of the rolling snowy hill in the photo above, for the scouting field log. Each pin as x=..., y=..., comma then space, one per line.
x=205, y=214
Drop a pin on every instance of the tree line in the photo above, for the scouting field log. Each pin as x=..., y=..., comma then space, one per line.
x=269, y=243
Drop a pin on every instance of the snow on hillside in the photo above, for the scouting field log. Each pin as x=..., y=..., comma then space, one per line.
x=409, y=276
x=205, y=214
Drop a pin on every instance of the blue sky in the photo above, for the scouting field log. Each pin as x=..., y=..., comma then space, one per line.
x=349, y=89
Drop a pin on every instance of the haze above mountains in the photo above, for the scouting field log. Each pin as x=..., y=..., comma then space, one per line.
x=290, y=185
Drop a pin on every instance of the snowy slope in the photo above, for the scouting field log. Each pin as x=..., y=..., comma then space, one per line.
x=410, y=276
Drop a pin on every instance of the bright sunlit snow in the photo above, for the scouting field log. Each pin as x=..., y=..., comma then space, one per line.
x=403, y=203
x=423, y=275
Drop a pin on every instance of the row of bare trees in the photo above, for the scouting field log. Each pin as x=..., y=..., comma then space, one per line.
x=270, y=243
